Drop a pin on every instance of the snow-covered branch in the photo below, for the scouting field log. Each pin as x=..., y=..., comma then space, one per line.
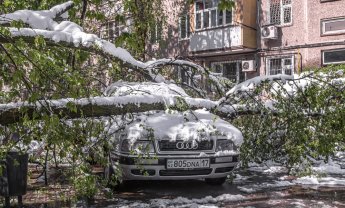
x=44, y=19
x=290, y=84
x=122, y=98
x=69, y=34
x=100, y=106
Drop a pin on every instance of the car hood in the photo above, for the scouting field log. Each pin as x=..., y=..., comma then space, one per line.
x=189, y=125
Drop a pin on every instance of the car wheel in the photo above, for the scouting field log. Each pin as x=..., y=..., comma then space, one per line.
x=215, y=181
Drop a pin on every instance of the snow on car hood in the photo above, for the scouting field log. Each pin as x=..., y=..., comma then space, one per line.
x=189, y=125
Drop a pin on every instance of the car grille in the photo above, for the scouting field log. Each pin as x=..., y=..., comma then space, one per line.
x=185, y=172
x=224, y=170
x=143, y=172
x=166, y=145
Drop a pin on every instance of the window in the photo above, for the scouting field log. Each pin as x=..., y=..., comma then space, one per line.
x=184, y=27
x=333, y=26
x=111, y=30
x=186, y=76
x=156, y=32
x=327, y=0
x=333, y=56
x=229, y=69
x=280, y=12
x=280, y=65
x=208, y=15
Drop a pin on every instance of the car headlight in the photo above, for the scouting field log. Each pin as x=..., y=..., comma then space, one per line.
x=223, y=145
x=137, y=147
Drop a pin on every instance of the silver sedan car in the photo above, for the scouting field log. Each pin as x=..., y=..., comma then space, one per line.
x=171, y=145
x=165, y=146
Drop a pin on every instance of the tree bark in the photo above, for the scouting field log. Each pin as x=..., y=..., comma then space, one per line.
x=107, y=106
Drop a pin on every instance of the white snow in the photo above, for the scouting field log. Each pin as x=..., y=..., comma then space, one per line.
x=239, y=178
x=190, y=125
x=298, y=204
x=116, y=101
x=121, y=88
x=329, y=168
x=226, y=153
x=37, y=19
x=251, y=83
x=247, y=190
x=269, y=167
x=42, y=23
x=288, y=85
x=332, y=175
x=324, y=181
x=122, y=93
x=180, y=202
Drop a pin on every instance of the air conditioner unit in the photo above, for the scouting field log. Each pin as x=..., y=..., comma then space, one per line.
x=248, y=66
x=269, y=32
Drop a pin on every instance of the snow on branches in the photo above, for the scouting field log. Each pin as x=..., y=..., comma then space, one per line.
x=67, y=33
x=122, y=98
x=44, y=23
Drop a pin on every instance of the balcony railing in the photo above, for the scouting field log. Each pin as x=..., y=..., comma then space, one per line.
x=216, y=38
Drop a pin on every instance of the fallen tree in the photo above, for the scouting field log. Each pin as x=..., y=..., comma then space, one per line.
x=287, y=118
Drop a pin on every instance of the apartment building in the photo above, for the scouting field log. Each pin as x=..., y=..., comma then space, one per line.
x=257, y=37
x=217, y=39
x=298, y=34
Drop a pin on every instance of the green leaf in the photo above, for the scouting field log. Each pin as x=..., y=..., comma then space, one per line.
x=72, y=107
x=40, y=42
x=226, y=4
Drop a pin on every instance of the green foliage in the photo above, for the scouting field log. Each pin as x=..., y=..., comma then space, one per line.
x=85, y=183
x=226, y=4
x=35, y=71
x=305, y=126
x=181, y=105
x=144, y=16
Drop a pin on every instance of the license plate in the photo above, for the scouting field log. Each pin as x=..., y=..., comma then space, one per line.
x=187, y=163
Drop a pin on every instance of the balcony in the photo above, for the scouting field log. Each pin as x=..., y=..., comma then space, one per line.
x=218, y=38
x=236, y=33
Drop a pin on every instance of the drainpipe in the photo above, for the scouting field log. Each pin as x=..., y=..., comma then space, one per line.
x=258, y=38
x=258, y=22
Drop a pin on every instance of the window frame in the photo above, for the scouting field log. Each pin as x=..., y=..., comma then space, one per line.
x=238, y=69
x=331, y=50
x=281, y=57
x=324, y=1
x=116, y=29
x=155, y=34
x=282, y=7
x=334, y=19
x=209, y=11
x=186, y=75
x=187, y=25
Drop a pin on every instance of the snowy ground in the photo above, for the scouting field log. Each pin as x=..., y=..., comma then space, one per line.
x=266, y=185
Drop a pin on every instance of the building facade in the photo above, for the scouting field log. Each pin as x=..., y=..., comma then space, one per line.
x=217, y=39
x=299, y=34
x=257, y=37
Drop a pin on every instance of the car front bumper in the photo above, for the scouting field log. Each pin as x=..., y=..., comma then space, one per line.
x=155, y=168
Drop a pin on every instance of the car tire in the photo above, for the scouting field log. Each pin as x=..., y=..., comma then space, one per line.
x=215, y=181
